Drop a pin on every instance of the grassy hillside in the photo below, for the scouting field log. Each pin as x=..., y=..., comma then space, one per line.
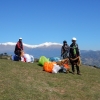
x=27, y=81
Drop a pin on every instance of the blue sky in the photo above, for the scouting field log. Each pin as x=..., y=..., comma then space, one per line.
x=39, y=21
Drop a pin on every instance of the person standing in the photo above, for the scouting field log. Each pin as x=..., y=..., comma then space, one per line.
x=74, y=54
x=18, y=48
x=65, y=50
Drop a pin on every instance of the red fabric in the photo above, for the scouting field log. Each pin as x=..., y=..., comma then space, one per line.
x=18, y=45
x=25, y=59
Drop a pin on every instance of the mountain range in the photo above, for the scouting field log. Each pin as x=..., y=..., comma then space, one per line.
x=49, y=49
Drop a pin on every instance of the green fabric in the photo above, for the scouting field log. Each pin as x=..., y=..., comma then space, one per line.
x=42, y=60
x=74, y=50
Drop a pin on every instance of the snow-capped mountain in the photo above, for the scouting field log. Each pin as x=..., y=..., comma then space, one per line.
x=46, y=49
x=46, y=44
x=50, y=49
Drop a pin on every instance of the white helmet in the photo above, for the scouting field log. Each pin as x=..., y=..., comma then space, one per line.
x=74, y=38
x=20, y=38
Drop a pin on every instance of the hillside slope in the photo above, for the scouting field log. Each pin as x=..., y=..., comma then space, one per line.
x=27, y=81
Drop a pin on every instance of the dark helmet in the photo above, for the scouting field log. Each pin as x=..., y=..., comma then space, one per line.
x=64, y=41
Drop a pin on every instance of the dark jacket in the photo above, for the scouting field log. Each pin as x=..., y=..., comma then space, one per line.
x=74, y=50
x=19, y=46
x=65, y=50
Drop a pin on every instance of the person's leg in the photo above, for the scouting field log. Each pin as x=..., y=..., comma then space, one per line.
x=78, y=69
x=73, y=69
x=19, y=55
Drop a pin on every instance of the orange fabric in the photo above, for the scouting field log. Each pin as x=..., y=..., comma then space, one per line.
x=66, y=66
x=48, y=66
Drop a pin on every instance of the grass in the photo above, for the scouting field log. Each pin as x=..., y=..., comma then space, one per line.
x=27, y=81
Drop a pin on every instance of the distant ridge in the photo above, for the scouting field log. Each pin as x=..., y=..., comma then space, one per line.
x=49, y=49
x=32, y=46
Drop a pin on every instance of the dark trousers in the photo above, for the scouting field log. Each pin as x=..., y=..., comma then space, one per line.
x=74, y=64
x=18, y=53
x=77, y=68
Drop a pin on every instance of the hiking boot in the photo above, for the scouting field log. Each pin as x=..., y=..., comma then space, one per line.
x=78, y=73
x=73, y=72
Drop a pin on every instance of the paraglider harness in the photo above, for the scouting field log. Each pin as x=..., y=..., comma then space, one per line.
x=74, y=58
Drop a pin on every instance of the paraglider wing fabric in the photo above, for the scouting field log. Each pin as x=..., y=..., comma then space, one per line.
x=56, y=68
x=76, y=60
x=32, y=58
x=48, y=66
x=22, y=59
x=42, y=60
x=66, y=66
x=27, y=57
x=54, y=59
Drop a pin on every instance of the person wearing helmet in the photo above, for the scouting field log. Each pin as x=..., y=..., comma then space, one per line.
x=65, y=50
x=18, y=48
x=74, y=53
